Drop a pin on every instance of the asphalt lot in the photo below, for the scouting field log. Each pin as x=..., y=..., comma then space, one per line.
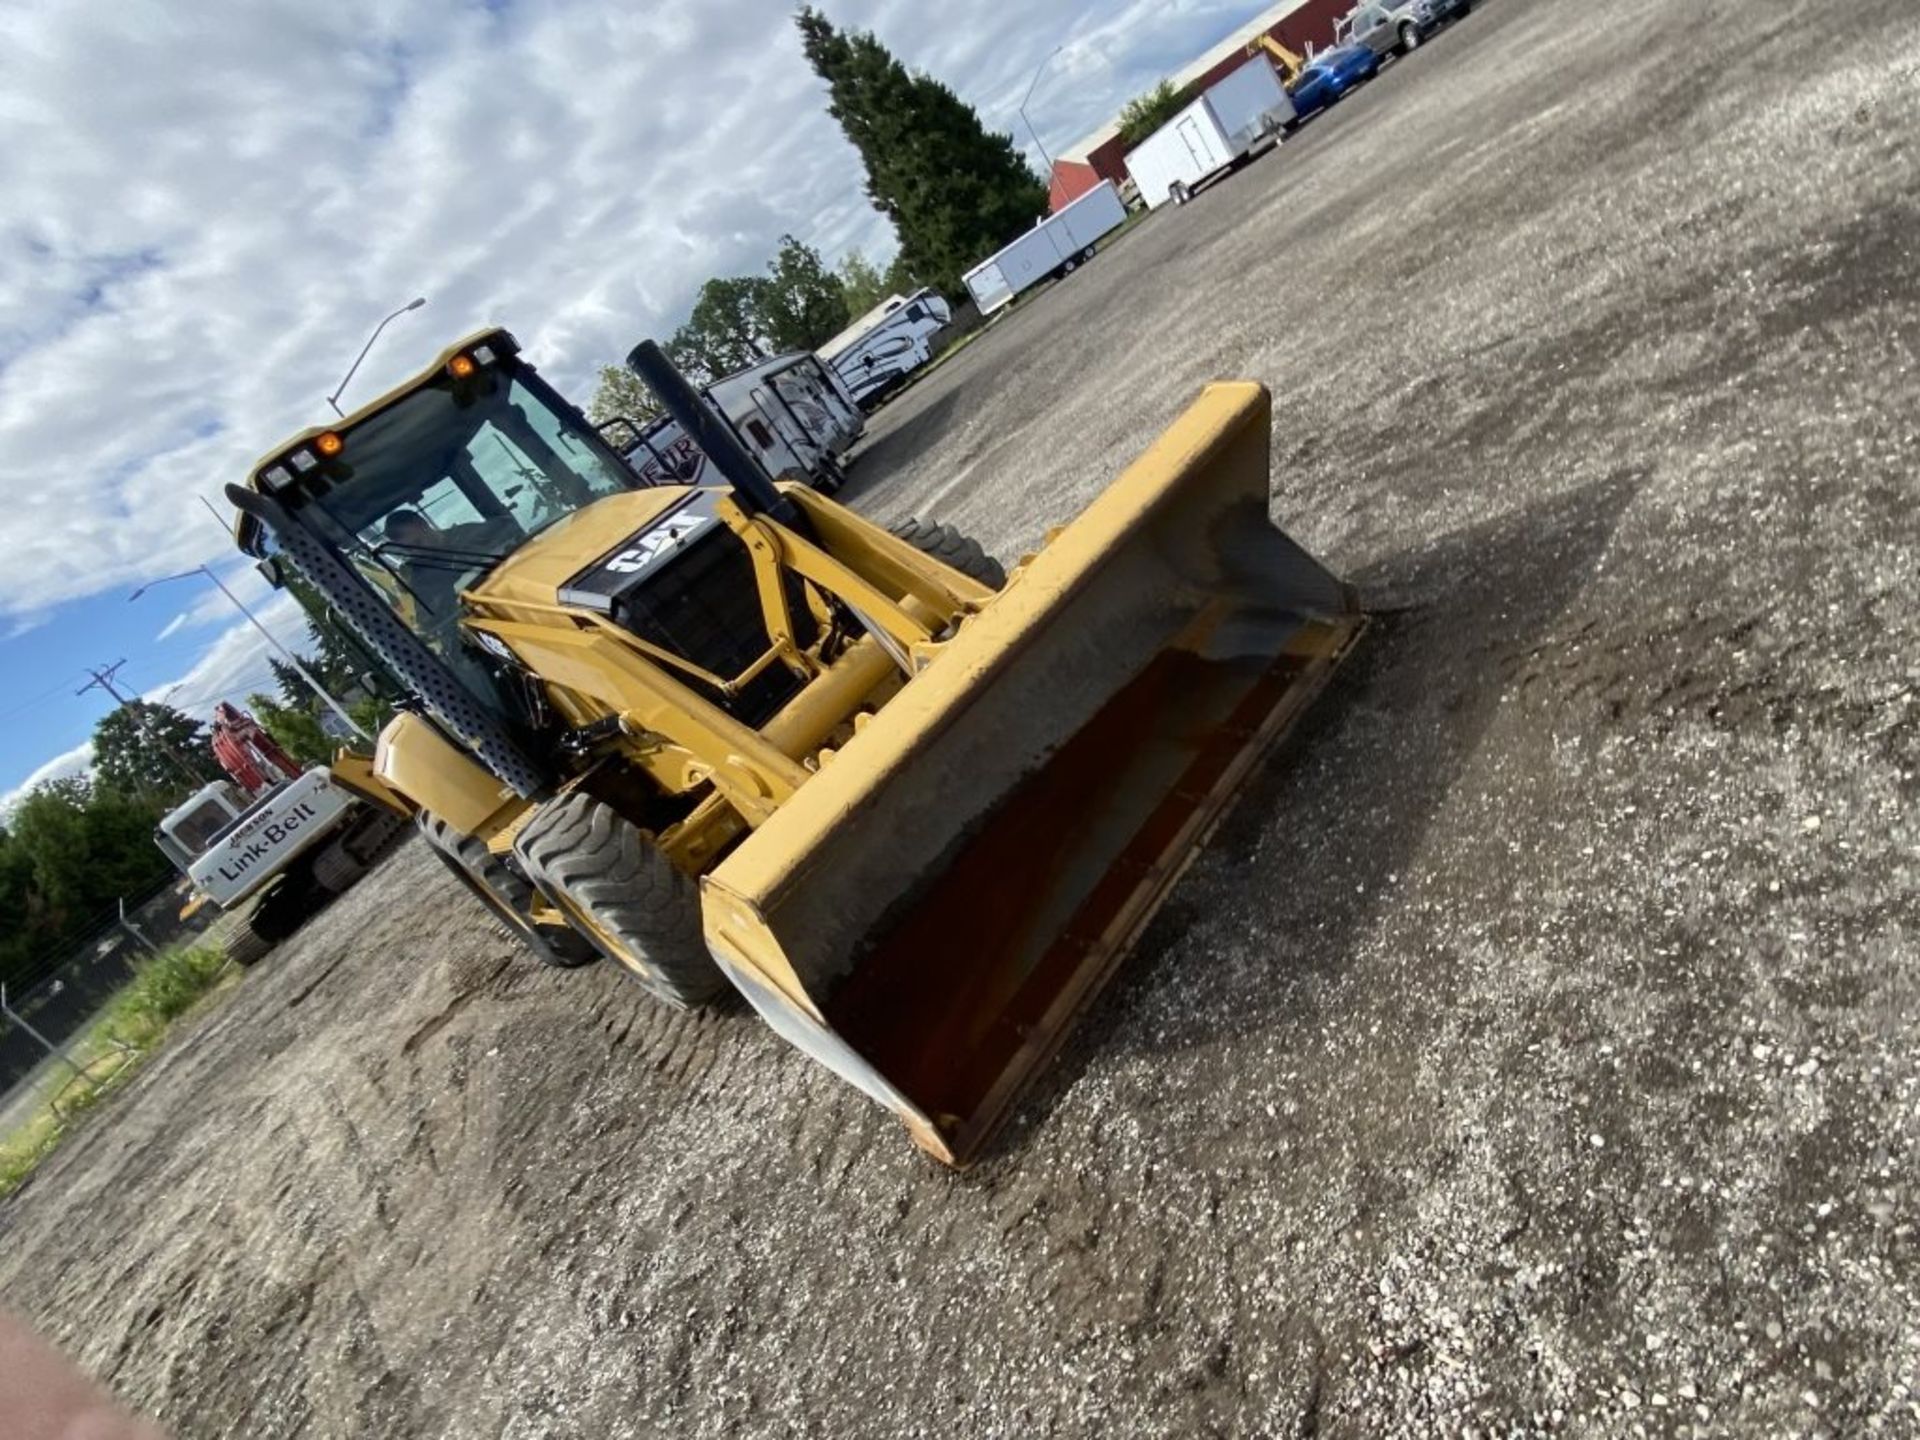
x=1532, y=1051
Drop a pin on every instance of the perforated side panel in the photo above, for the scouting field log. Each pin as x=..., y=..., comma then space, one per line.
x=451, y=703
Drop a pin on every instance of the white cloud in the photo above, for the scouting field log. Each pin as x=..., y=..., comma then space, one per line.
x=238, y=663
x=207, y=208
x=76, y=761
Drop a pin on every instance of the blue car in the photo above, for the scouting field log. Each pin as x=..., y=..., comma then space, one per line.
x=1329, y=75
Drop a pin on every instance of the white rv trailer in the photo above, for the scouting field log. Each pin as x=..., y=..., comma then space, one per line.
x=790, y=412
x=1056, y=246
x=875, y=355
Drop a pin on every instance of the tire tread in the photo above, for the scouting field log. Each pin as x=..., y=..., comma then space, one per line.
x=581, y=848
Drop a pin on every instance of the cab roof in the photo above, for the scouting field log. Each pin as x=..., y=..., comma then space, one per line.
x=246, y=529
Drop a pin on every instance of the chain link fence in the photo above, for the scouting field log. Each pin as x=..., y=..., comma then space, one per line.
x=51, y=1003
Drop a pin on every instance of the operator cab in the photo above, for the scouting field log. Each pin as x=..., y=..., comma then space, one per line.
x=429, y=489
x=189, y=830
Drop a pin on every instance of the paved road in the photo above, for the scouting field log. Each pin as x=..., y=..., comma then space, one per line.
x=1533, y=1050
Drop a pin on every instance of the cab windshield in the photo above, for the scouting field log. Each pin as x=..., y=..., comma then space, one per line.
x=429, y=494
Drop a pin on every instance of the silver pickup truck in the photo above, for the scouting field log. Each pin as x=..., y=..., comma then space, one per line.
x=1395, y=27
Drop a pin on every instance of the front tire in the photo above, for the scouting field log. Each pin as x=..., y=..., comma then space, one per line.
x=1409, y=39
x=245, y=946
x=954, y=547
x=508, y=895
x=597, y=868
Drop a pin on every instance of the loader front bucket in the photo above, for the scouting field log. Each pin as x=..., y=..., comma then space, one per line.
x=931, y=910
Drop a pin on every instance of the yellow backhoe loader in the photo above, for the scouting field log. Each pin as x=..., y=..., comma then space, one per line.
x=914, y=808
x=1285, y=61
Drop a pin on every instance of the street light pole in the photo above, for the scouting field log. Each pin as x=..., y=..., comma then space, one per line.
x=285, y=654
x=1022, y=108
x=340, y=389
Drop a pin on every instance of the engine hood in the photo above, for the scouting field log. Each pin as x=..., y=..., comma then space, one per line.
x=552, y=566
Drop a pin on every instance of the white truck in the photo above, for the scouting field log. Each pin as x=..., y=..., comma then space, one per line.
x=791, y=412
x=874, y=356
x=1236, y=118
x=285, y=853
x=1058, y=245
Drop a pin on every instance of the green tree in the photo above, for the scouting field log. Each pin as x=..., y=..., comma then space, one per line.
x=49, y=829
x=1146, y=113
x=371, y=714
x=86, y=845
x=295, y=728
x=725, y=332
x=621, y=393
x=338, y=659
x=153, y=751
x=803, y=304
x=954, y=190
x=70, y=849
x=866, y=285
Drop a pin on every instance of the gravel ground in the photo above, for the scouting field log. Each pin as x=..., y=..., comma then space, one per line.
x=1532, y=1050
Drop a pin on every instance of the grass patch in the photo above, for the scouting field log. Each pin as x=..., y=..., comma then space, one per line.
x=129, y=1029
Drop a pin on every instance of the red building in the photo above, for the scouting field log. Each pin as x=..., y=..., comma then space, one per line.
x=1300, y=25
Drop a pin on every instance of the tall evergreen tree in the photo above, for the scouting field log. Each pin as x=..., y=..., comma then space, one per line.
x=955, y=191
x=295, y=728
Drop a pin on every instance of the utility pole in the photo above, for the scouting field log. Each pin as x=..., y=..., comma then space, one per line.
x=107, y=680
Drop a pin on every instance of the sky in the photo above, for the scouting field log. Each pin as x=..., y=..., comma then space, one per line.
x=206, y=208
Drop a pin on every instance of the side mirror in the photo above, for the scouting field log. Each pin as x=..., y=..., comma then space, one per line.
x=273, y=572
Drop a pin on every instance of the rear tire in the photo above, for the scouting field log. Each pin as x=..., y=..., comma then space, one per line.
x=596, y=867
x=507, y=894
x=245, y=946
x=1409, y=39
x=829, y=479
x=1178, y=192
x=953, y=547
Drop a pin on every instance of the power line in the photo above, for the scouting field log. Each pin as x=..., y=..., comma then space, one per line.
x=238, y=687
x=25, y=705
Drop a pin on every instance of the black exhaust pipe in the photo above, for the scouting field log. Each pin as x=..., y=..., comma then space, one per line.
x=711, y=432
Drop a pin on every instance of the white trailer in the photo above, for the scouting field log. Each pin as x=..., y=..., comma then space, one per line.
x=1056, y=246
x=1235, y=118
x=875, y=355
x=791, y=413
